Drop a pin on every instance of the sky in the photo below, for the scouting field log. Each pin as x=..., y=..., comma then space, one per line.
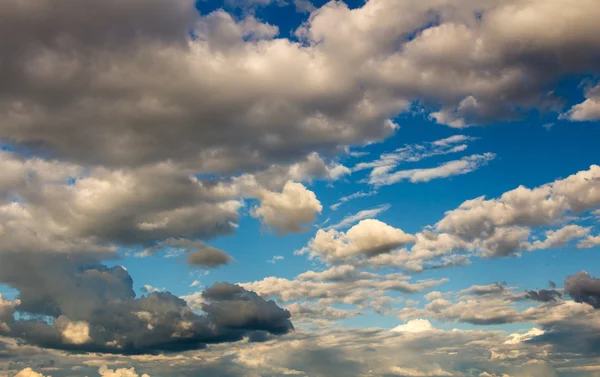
x=265, y=188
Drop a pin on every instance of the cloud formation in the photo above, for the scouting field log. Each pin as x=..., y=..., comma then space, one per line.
x=77, y=305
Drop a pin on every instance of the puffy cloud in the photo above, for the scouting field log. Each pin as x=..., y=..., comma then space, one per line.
x=289, y=211
x=525, y=207
x=560, y=237
x=517, y=338
x=208, y=257
x=414, y=326
x=122, y=372
x=368, y=238
x=587, y=110
x=28, y=372
x=583, y=288
x=77, y=332
x=241, y=98
x=590, y=241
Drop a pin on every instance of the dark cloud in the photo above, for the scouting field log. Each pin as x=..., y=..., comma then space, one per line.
x=583, y=288
x=544, y=295
x=76, y=304
x=232, y=306
x=209, y=257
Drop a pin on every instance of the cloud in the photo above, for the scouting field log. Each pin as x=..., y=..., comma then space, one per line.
x=583, y=288
x=122, y=372
x=588, y=110
x=358, y=216
x=414, y=326
x=560, y=237
x=590, y=241
x=275, y=259
x=28, y=372
x=93, y=308
x=544, y=295
x=517, y=338
x=368, y=238
x=289, y=211
x=339, y=284
x=457, y=167
x=415, y=153
x=350, y=197
x=208, y=257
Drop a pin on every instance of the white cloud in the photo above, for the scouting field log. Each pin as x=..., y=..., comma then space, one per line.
x=517, y=338
x=276, y=259
x=368, y=238
x=28, y=372
x=289, y=211
x=360, y=215
x=76, y=332
x=590, y=241
x=451, y=168
x=122, y=372
x=350, y=197
x=589, y=109
x=414, y=326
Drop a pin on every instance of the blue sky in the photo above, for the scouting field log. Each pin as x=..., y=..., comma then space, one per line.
x=300, y=187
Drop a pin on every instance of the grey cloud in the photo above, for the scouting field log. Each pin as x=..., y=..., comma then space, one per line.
x=135, y=67
x=208, y=257
x=93, y=308
x=232, y=306
x=544, y=295
x=583, y=288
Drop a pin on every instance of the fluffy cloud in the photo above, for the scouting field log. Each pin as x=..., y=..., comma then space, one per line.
x=414, y=326
x=289, y=211
x=368, y=238
x=208, y=257
x=239, y=97
x=122, y=372
x=583, y=288
x=28, y=372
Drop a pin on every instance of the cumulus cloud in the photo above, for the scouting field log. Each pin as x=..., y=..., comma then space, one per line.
x=121, y=372
x=28, y=372
x=289, y=211
x=93, y=308
x=583, y=288
x=414, y=326
x=368, y=238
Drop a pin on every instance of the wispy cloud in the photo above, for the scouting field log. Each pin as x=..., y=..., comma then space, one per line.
x=361, y=215
x=451, y=168
x=356, y=195
x=275, y=259
x=415, y=153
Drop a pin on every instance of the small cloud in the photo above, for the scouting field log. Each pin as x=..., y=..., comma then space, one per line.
x=275, y=259
x=195, y=283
